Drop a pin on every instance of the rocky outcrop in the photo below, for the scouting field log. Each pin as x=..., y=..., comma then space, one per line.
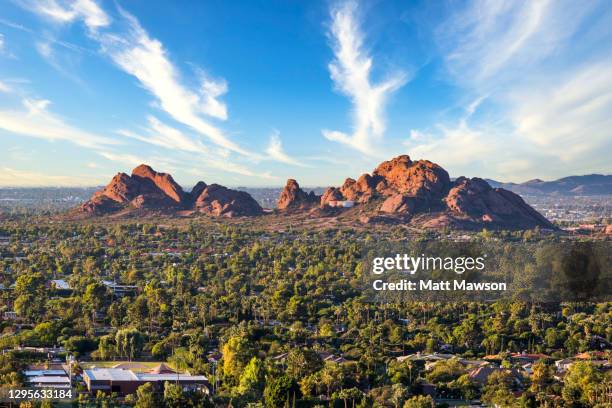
x=197, y=190
x=331, y=195
x=293, y=197
x=421, y=178
x=476, y=200
x=153, y=182
x=147, y=189
x=217, y=200
x=398, y=191
x=406, y=188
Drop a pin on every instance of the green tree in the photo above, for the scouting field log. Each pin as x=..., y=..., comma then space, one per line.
x=237, y=352
x=498, y=390
x=145, y=397
x=173, y=396
x=420, y=401
x=280, y=391
x=580, y=382
x=252, y=380
x=302, y=362
x=128, y=343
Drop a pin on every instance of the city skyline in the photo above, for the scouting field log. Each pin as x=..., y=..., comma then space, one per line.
x=245, y=94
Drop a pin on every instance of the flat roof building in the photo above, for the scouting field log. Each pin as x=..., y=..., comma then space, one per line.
x=124, y=381
x=53, y=377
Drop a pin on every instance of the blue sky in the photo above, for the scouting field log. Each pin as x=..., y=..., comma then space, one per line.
x=253, y=92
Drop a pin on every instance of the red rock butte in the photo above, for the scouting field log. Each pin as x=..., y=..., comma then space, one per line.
x=398, y=190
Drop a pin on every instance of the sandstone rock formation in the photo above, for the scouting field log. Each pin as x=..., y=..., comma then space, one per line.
x=147, y=189
x=332, y=194
x=293, y=197
x=406, y=188
x=398, y=191
x=477, y=200
x=218, y=201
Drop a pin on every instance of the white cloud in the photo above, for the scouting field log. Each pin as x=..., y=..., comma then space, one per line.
x=37, y=121
x=570, y=116
x=161, y=134
x=44, y=49
x=126, y=158
x=172, y=163
x=4, y=87
x=211, y=91
x=146, y=59
x=350, y=72
x=457, y=148
x=547, y=86
x=69, y=11
x=275, y=151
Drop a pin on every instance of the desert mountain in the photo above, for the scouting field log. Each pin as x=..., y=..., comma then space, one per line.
x=146, y=189
x=400, y=190
x=421, y=192
x=591, y=184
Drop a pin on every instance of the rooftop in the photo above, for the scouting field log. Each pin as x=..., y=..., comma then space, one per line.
x=110, y=374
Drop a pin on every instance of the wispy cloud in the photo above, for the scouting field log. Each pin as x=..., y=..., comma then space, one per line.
x=125, y=158
x=210, y=93
x=145, y=58
x=161, y=134
x=547, y=86
x=275, y=151
x=350, y=72
x=4, y=87
x=35, y=120
x=173, y=163
x=570, y=116
x=134, y=51
x=69, y=11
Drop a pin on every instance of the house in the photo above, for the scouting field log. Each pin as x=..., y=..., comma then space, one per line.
x=481, y=374
x=60, y=285
x=119, y=290
x=528, y=358
x=55, y=376
x=9, y=315
x=125, y=381
x=341, y=204
x=564, y=364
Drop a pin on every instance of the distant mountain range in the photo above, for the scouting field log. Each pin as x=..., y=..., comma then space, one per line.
x=591, y=184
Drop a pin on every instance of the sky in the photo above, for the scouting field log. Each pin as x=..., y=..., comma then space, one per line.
x=250, y=93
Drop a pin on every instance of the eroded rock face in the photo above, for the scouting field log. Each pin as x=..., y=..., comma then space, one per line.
x=361, y=190
x=332, y=194
x=148, y=189
x=421, y=178
x=399, y=203
x=197, y=190
x=409, y=188
x=476, y=199
x=218, y=201
x=405, y=185
x=157, y=182
x=293, y=197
